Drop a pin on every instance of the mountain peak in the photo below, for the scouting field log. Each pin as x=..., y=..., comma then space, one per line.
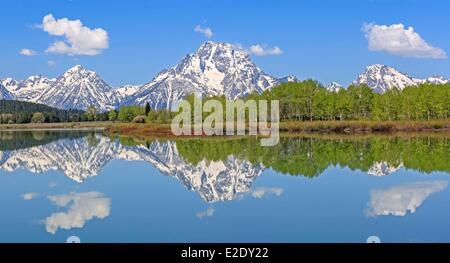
x=76, y=68
x=382, y=78
x=215, y=68
x=79, y=88
x=218, y=52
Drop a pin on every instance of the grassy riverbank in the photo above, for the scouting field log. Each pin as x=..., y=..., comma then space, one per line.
x=350, y=128
x=154, y=129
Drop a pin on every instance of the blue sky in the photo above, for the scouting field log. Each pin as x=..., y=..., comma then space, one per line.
x=319, y=39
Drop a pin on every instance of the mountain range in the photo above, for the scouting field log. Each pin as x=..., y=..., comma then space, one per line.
x=382, y=78
x=215, y=68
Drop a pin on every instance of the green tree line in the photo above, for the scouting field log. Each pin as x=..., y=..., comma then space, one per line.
x=299, y=101
x=309, y=100
x=12, y=111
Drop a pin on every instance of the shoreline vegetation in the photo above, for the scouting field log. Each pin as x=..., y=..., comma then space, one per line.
x=144, y=130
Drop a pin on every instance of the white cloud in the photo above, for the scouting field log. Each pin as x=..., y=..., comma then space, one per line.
x=82, y=207
x=264, y=191
x=27, y=52
x=78, y=39
x=399, y=200
x=398, y=40
x=51, y=63
x=261, y=50
x=208, y=212
x=29, y=196
x=205, y=31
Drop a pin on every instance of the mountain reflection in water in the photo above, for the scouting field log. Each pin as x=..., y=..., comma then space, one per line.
x=220, y=169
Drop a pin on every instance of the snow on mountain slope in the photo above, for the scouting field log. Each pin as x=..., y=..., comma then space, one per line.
x=214, y=69
x=334, y=87
x=31, y=88
x=79, y=88
x=438, y=80
x=290, y=78
x=9, y=83
x=5, y=94
x=126, y=91
x=382, y=78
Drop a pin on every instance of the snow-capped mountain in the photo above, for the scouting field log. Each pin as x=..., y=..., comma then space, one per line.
x=4, y=93
x=29, y=89
x=382, y=78
x=334, y=87
x=214, y=69
x=438, y=80
x=79, y=88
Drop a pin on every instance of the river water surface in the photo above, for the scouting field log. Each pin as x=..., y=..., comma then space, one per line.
x=55, y=184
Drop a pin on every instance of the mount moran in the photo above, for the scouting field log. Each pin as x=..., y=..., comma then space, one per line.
x=214, y=69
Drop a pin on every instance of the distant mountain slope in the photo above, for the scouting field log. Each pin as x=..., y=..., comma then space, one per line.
x=29, y=89
x=334, y=87
x=382, y=78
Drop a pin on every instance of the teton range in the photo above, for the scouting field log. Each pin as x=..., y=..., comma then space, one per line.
x=214, y=69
